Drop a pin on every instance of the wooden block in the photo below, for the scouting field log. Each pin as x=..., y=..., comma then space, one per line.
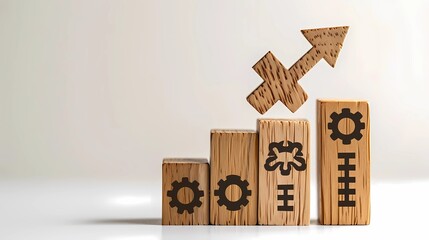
x=185, y=192
x=233, y=178
x=284, y=172
x=343, y=162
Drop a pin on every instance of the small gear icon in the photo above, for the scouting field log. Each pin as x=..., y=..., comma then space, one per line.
x=223, y=185
x=346, y=138
x=181, y=207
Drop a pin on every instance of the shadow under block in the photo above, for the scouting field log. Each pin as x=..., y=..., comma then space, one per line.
x=343, y=162
x=185, y=192
x=284, y=172
x=233, y=178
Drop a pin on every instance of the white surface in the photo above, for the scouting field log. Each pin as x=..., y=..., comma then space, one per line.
x=44, y=210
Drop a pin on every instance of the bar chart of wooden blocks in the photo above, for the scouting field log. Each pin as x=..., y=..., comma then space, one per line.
x=262, y=176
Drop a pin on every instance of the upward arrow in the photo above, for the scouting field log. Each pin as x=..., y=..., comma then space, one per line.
x=281, y=83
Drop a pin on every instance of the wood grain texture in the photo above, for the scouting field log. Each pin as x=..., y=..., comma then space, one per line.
x=343, y=162
x=233, y=153
x=194, y=170
x=327, y=42
x=269, y=200
x=281, y=84
x=278, y=85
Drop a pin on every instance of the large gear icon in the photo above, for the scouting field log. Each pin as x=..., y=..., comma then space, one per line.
x=346, y=138
x=223, y=185
x=181, y=207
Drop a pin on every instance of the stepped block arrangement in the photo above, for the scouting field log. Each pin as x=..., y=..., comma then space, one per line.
x=263, y=176
x=344, y=162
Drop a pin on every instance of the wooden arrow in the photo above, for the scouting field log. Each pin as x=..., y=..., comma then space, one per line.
x=281, y=83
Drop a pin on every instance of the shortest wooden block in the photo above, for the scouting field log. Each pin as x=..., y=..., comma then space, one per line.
x=185, y=192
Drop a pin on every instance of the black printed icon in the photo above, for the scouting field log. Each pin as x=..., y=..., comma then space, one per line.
x=193, y=186
x=285, y=197
x=346, y=180
x=285, y=167
x=223, y=185
x=346, y=114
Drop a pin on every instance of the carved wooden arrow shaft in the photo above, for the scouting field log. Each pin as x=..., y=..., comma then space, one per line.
x=281, y=83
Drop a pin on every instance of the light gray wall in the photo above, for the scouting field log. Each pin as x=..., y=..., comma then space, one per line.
x=106, y=89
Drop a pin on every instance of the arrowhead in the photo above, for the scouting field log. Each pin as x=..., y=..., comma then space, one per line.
x=328, y=41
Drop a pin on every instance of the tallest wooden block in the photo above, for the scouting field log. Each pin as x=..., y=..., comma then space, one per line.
x=344, y=162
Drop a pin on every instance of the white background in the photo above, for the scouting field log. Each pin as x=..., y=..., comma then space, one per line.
x=104, y=90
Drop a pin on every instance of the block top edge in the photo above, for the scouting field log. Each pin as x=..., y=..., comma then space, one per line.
x=185, y=160
x=282, y=120
x=329, y=100
x=245, y=131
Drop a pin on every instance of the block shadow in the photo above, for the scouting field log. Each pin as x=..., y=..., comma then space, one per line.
x=121, y=221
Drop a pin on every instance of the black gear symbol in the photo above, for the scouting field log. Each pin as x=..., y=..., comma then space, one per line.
x=181, y=207
x=223, y=185
x=346, y=138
